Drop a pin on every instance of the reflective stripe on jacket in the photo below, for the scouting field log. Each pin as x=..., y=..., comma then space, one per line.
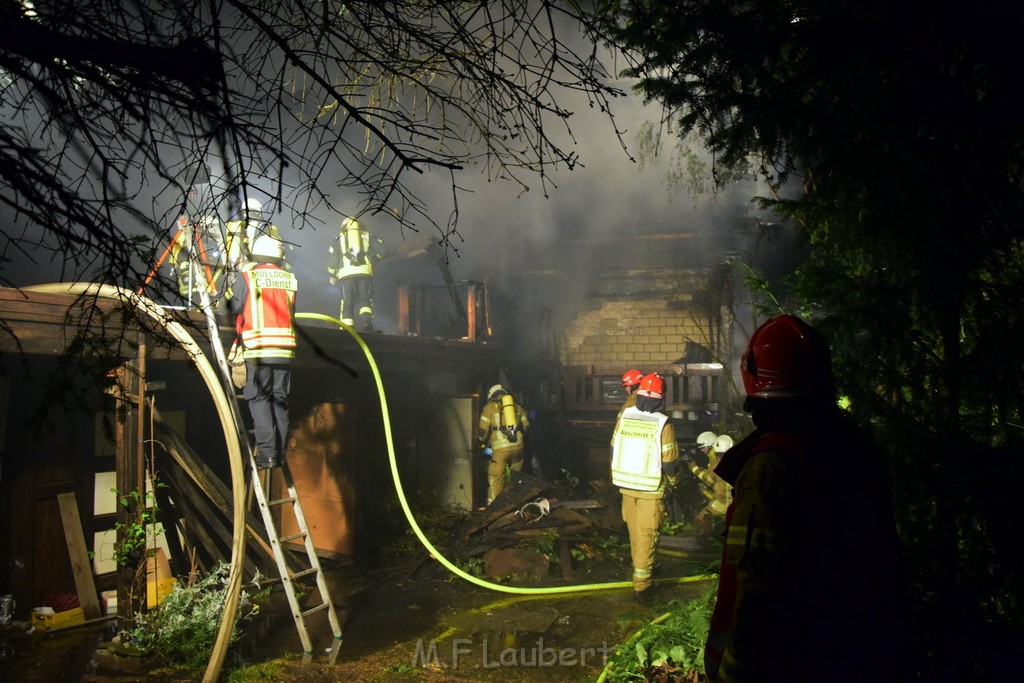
x=266, y=323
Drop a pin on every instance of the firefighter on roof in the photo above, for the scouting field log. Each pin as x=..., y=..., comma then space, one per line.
x=351, y=265
x=502, y=432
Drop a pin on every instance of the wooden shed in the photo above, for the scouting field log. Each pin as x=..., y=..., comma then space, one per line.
x=67, y=442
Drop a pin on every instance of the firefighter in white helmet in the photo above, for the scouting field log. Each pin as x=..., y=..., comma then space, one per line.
x=502, y=433
x=243, y=232
x=263, y=301
x=712, y=486
x=352, y=266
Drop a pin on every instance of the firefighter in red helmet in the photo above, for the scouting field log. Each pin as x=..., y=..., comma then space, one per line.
x=645, y=457
x=630, y=382
x=798, y=589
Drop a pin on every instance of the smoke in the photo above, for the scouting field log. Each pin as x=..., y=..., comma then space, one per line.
x=540, y=248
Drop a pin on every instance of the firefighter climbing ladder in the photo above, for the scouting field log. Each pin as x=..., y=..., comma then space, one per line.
x=289, y=579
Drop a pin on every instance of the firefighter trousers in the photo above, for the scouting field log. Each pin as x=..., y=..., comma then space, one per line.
x=266, y=389
x=643, y=513
x=497, y=477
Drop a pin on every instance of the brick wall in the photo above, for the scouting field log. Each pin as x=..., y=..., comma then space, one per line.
x=648, y=333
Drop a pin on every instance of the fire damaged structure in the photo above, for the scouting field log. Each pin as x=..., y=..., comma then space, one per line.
x=152, y=436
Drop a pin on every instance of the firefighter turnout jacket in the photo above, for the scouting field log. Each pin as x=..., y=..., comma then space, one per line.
x=495, y=433
x=628, y=403
x=800, y=589
x=351, y=254
x=712, y=486
x=265, y=323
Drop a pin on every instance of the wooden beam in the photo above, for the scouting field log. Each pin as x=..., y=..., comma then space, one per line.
x=211, y=485
x=131, y=580
x=81, y=567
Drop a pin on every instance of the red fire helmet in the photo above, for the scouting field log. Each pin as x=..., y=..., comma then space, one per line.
x=652, y=385
x=786, y=358
x=631, y=377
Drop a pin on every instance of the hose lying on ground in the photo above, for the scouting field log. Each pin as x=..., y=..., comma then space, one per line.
x=434, y=552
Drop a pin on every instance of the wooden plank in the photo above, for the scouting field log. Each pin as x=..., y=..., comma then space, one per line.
x=208, y=482
x=565, y=559
x=201, y=521
x=79, y=554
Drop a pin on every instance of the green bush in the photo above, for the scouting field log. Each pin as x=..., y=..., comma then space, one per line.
x=181, y=632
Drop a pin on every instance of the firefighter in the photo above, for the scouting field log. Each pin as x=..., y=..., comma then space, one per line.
x=645, y=457
x=352, y=266
x=834, y=571
x=712, y=486
x=243, y=232
x=502, y=434
x=263, y=302
x=188, y=246
x=630, y=382
x=181, y=261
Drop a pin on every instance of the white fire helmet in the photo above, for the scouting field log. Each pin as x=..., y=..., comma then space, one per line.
x=268, y=247
x=706, y=439
x=723, y=443
x=253, y=207
x=493, y=391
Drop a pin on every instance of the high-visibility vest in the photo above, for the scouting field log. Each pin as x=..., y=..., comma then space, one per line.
x=266, y=324
x=636, y=454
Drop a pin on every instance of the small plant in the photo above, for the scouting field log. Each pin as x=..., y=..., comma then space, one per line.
x=474, y=566
x=602, y=546
x=544, y=544
x=181, y=632
x=262, y=671
x=672, y=650
x=136, y=535
x=403, y=669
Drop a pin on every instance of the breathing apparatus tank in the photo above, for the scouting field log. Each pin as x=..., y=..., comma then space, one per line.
x=509, y=424
x=353, y=246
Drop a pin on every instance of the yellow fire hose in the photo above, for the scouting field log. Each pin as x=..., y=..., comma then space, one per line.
x=228, y=418
x=434, y=552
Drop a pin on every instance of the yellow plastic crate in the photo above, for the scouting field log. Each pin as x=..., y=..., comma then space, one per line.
x=156, y=591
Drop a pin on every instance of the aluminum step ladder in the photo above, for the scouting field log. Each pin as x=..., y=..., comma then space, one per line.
x=289, y=579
